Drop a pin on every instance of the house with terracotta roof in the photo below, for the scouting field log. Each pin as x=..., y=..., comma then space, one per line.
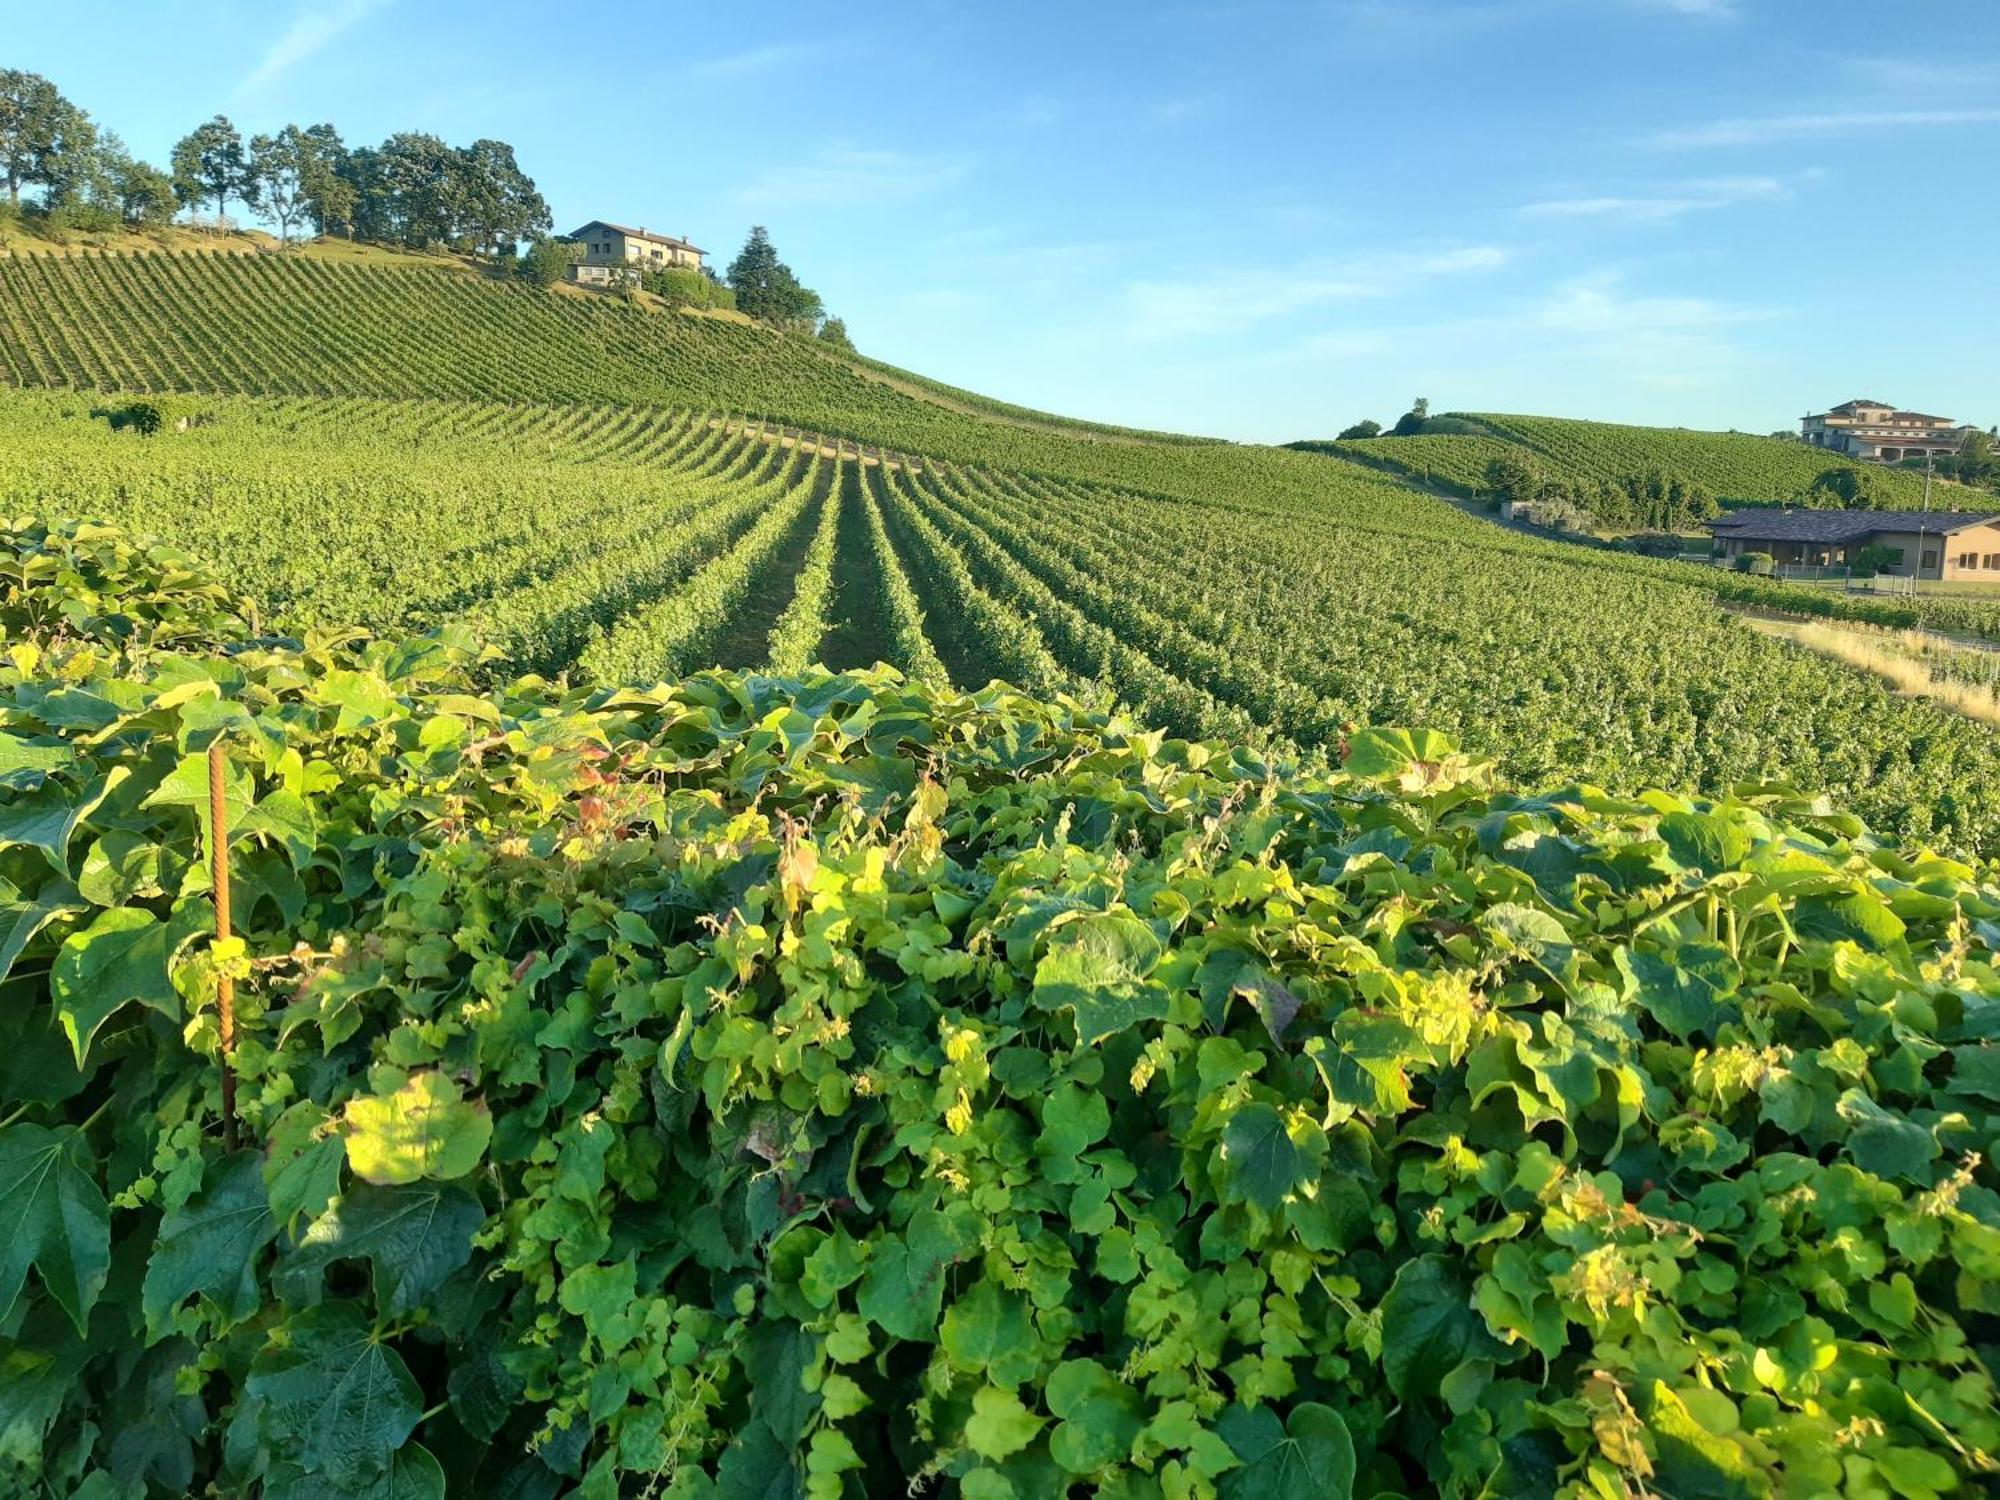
x=1930, y=544
x=1877, y=430
x=614, y=252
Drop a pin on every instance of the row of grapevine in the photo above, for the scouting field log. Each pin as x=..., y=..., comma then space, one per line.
x=795, y=639
x=671, y=634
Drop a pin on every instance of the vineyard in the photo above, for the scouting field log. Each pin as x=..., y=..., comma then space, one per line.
x=302, y=326
x=798, y=933
x=828, y=1085
x=1734, y=466
x=633, y=544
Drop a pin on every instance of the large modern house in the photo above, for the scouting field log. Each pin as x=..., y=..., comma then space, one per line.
x=612, y=252
x=1925, y=543
x=1874, y=429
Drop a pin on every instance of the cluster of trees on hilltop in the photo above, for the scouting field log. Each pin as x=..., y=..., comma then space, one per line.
x=1652, y=500
x=413, y=189
x=1416, y=422
x=85, y=176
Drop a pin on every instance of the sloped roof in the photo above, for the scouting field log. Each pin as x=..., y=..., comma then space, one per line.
x=1848, y=408
x=636, y=234
x=1766, y=524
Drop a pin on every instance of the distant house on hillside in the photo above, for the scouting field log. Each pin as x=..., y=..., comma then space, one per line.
x=612, y=252
x=1926, y=543
x=1874, y=429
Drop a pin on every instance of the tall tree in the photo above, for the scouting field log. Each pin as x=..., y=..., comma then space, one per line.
x=368, y=216
x=280, y=167
x=41, y=132
x=497, y=203
x=767, y=290
x=145, y=195
x=329, y=188
x=419, y=180
x=208, y=162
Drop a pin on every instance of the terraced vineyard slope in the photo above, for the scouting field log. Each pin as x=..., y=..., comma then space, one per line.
x=307, y=326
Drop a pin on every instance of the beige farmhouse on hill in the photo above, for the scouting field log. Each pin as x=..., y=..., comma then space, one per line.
x=1874, y=429
x=611, y=252
x=1941, y=544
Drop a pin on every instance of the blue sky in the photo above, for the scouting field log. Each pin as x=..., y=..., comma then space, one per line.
x=1256, y=219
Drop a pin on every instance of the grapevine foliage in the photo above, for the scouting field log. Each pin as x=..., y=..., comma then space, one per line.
x=812, y=1085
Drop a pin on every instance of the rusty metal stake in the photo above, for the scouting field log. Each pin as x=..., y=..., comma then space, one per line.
x=225, y=985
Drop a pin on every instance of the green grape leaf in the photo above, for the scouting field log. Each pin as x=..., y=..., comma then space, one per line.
x=1101, y=1417
x=337, y=1401
x=756, y=1466
x=424, y=1129
x=1264, y=1165
x=989, y=1331
x=1097, y=966
x=1429, y=1326
x=413, y=1235
x=210, y=1243
x=902, y=1290
x=1307, y=1456
x=21, y=919
x=53, y=1217
x=999, y=1425
x=120, y=959
x=1687, y=1001
x=1887, y=1144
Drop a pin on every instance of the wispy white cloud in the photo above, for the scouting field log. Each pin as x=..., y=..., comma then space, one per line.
x=1726, y=10
x=851, y=174
x=763, y=59
x=313, y=26
x=1669, y=202
x=1597, y=304
x=1179, y=108
x=1765, y=130
x=1038, y=111
x=1904, y=77
x=1229, y=301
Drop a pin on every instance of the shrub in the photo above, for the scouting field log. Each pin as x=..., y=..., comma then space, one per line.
x=546, y=261
x=834, y=332
x=1754, y=562
x=1875, y=558
x=152, y=415
x=685, y=286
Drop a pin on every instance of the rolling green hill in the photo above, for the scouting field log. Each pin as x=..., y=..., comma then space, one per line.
x=1735, y=467
x=311, y=326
